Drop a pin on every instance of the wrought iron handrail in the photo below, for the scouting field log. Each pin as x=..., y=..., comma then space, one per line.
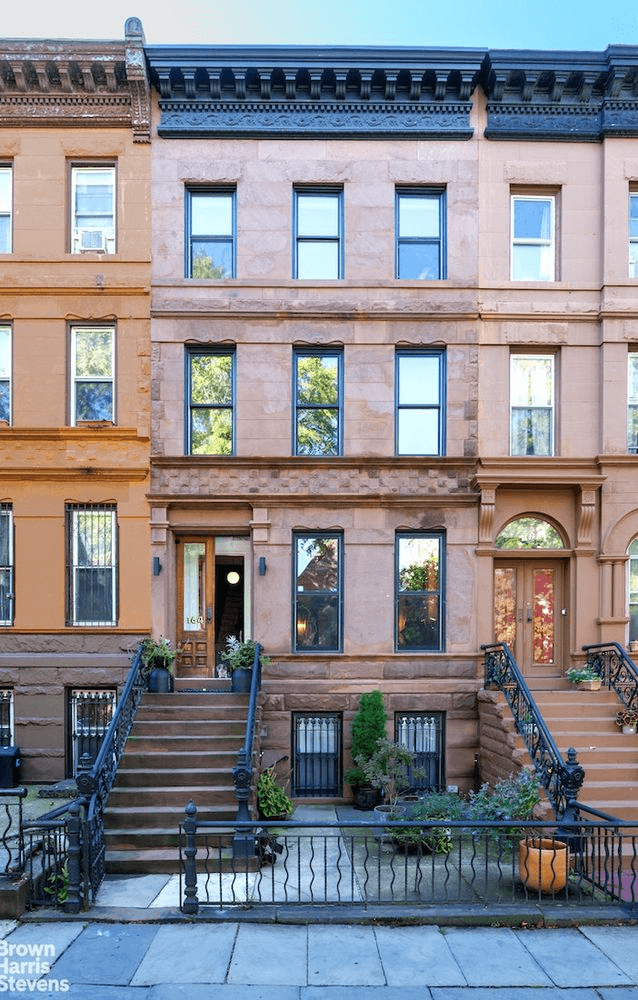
x=616, y=670
x=95, y=783
x=243, y=771
x=560, y=778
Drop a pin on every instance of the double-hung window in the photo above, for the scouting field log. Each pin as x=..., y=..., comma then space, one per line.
x=532, y=404
x=6, y=205
x=210, y=392
x=318, y=393
x=420, y=396
x=318, y=592
x=632, y=588
x=91, y=585
x=211, y=228
x=420, y=234
x=6, y=564
x=533, y=237
x=419, y=590
x=633, y=234
x=632, y=403
x=92, y=373
x=93, y=208
x=5, y=374
x=318, y=236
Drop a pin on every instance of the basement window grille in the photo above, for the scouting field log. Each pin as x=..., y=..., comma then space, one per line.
x=422, y=734
x=91, y=711
x=317, y=754
x=91, y=564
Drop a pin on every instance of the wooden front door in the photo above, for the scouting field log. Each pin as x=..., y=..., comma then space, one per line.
x=530, y=612
x=213, y=594
x=195, y=606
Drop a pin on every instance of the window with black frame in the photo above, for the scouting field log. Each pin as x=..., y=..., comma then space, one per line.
x=318, y=233
x=211, y=229
x=420, y=402
x=316, y=769
x=423, y=734
x=318, y=394
x=420, y=234
x=210, y=394
x=317, y=592
x=91, y=564
x=419, y=592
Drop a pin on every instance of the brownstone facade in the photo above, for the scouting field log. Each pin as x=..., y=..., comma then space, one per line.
x=75, y=428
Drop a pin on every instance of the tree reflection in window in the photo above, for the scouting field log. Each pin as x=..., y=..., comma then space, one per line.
x=529, y=533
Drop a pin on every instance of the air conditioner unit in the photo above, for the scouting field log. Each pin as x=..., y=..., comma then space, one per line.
x=91, y=239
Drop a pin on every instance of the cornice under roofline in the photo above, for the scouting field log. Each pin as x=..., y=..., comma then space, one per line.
x=69, y=83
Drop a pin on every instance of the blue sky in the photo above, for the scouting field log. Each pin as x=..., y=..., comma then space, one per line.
x=545, y=24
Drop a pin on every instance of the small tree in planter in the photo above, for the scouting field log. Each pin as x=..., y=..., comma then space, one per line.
x=368, y=726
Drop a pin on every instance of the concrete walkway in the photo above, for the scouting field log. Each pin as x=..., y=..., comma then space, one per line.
x=243, y=961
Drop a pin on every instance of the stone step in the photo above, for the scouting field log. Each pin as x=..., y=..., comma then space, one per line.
x=186, y=727
x=158, y=759
x=157, y=742
x=174, y=796
x=162, y=775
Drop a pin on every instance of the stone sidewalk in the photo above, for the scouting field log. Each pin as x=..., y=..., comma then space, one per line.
x=233, y=961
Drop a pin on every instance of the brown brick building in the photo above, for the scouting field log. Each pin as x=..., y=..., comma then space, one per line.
x=74, y=388
x=394, y=341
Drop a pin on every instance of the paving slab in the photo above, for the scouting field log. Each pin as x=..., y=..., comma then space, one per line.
x=267, y=954
x=105, y=953
x=51, y=938
x=493, y=956
x=365, y=993
x=342, y=955
x=226, y=992
x=136, y=890
x=619, y=944
x=6, y=926
x=516, y=993
x=168, y=895
x=417, y=955
x=617, y=993
x=570, y=959
x=189, y=953
x=78, y=992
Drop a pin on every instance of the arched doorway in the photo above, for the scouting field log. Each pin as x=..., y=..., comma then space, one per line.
x=530, y=595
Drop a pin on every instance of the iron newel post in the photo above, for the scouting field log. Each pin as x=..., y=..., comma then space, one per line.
x=243, y=840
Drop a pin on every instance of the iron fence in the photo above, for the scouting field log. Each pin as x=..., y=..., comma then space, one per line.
x=590, y=864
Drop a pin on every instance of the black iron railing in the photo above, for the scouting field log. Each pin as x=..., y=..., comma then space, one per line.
x=11, y=830
x=616, y=670
x=243, y=772
x=561, y=779
x=95, y=782
x=594, y=863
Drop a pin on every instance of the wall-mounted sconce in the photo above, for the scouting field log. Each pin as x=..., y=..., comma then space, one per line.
x=262, y=565
x=157, y=566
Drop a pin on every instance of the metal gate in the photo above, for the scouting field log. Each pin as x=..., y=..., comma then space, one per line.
x=423, y=735
x=91, y=712
x=317, y=754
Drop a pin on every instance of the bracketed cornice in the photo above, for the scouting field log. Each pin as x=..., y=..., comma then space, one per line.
x=299, y=91
x=76, y=83
x=582, y=96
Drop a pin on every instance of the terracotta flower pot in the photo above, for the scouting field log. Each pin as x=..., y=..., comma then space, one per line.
x=543, y=863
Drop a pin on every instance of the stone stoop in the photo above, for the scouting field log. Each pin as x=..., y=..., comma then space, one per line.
x=182, y=746
x=585, y=720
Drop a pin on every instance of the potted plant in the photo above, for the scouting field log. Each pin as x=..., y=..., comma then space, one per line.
x=423, y=837
x=272, y=800
x=627, y=720
x=158, y=660
x=368, y=726
x=584, y=677
x=387, y=770
x=239, y=657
